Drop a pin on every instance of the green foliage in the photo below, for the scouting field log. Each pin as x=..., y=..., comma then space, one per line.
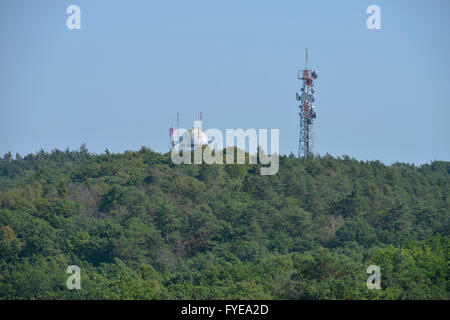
x=142, y=228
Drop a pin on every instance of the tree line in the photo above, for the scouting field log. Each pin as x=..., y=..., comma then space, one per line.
x=140, y=227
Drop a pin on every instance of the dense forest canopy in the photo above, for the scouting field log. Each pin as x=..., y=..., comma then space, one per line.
x=140, y=227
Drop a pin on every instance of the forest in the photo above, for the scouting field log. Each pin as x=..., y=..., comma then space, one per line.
x=140, y=227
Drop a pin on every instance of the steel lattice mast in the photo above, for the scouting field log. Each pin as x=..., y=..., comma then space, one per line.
x=306, y=110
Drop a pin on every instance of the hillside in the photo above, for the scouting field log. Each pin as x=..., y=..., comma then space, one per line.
x=140, y=227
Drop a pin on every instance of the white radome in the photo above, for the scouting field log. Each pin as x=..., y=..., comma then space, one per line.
x=192, y=139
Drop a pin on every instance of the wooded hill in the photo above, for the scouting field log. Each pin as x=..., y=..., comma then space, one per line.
x=140, y=227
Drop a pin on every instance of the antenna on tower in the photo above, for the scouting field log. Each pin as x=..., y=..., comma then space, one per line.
x=306, y=60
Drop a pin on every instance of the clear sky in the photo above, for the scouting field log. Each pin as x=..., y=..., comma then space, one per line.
x=119, y=81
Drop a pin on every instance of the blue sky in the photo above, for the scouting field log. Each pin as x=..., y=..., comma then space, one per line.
x=119, y=81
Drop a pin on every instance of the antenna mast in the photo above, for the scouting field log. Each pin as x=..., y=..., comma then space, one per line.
x=178, y=129
x=172, y=134
x=307, y=111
